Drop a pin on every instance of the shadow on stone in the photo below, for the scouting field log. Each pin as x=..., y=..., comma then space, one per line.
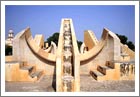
x=54, y=79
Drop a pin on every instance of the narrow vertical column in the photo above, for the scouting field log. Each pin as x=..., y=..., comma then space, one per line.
x=67, y=62
x=59, y=60
x=67, y=53
x=76, y=60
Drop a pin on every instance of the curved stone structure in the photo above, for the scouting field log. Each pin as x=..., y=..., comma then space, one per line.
x=102, y=59
x=107, y=49
x=96, y=48
x=25, y=49
x=33, y=45
x=36, y=49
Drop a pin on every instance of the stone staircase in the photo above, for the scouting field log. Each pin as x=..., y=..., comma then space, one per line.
x=37, y=74
x=105, y=72
x=33, y=73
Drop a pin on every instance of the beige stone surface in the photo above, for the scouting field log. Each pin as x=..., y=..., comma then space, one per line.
x=96, y=49
x=14, y=73
x=25, y=49
x=76, y=60
x=102, y=52
x=39, y=40
x=51, y=60
x=9, y=58
x=128, y=51
x=59, y=59
x=90, y=39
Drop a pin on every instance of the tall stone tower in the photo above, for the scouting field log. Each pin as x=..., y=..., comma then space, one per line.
x=9, y=40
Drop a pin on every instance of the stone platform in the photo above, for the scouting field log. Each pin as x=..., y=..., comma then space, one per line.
x=45, y=85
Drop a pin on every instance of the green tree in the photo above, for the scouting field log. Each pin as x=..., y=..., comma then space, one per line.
x=79, y=43
x=8, y=50
x=131, y=45
x=123, y=38
x=53, y=38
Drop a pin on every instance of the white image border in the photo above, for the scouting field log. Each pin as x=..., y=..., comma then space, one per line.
x=4, y=3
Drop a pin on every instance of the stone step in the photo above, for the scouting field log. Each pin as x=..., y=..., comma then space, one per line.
x=110, y=64
x=103, y=69
x=29, y=68
x=95, y=74
x=37, y=74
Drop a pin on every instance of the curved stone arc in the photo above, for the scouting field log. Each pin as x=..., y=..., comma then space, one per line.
x=36, y=49
x=96, y=49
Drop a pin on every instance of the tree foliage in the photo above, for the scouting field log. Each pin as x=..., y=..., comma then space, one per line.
x=131, y=45
x=53, y=38
x=124, y=40
x=79, y=43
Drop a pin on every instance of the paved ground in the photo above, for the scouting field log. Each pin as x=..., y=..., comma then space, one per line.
x=88, y=84
x=106, y=86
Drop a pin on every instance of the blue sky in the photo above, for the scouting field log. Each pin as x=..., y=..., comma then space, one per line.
x=46, y=19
